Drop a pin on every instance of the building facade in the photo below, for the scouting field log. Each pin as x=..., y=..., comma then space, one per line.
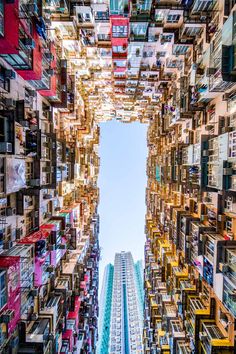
x=121, y=307
x=190, y=298
x=65, y=66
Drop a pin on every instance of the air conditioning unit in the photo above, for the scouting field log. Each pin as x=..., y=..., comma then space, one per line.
x=5, y=147
x=10, y=74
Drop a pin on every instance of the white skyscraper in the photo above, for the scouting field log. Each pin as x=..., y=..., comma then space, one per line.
x=121, y=322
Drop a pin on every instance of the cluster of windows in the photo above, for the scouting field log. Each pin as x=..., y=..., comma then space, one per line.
x=102, y=15
x=3, y=288
x=1, y=18
x=173, y=18
x=119, y=49
x=103, y=37
x=119, y=31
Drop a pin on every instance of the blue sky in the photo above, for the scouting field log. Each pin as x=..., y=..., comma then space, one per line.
x=122, y=183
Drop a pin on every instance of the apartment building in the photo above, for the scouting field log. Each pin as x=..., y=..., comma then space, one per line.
x=65, y=66
x=121, y=307
x=49, y=249
x=190, y=221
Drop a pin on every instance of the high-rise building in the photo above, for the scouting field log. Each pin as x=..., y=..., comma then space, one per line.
x=121, y=307
x=65, y=66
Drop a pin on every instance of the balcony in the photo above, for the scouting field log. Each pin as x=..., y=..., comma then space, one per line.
x=57, y=94
x=10, y=296
x=39, y=240
x=119, y=9
x=37, y=331
x=20, y=46
x=26, y=254
x=201, y=6
x=7, y=138
x=212, y=339
x=52, y=310
x=183, y=347
x=84, y=16
x=60, y=7
x=47, y=84
x=221, y=59
x=5, y=77
x=189, y=31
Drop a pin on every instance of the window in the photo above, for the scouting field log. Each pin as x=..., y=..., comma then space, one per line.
x=119, y=49
x=148, y=54
x=166, y=38
x=139, y=30
x=103, y=37
x=173, y=18
x=84, y=17
x=119, y=31
x=3, y=288
x=161, y=54
x=102, y=15
x=16, y=60
x=1, y=18
x=120, y=63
